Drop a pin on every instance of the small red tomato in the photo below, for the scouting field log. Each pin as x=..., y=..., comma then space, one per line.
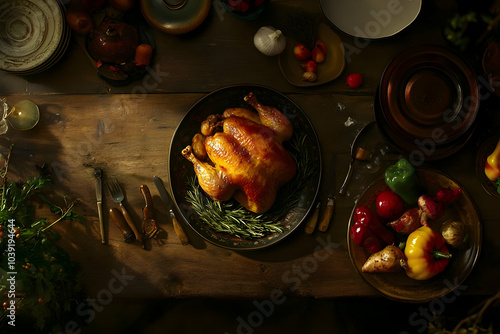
x=354, y=80
x=302, y=52
x=309, y=66
x=389, y=205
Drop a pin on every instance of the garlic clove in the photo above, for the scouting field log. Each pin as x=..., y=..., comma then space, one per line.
x=269, y=41
x=309, y=76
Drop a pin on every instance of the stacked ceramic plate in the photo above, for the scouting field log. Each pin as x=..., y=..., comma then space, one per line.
x=427, y=102
x=33, y=35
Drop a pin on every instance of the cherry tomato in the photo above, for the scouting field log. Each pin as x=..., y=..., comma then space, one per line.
x=389, y=205
x=354, y=80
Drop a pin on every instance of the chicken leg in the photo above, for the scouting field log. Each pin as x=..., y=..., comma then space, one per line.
x=212, y=181
x=272, y=118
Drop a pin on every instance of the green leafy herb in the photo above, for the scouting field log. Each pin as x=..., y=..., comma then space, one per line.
x=466, y=30
x=232, y=218
x=47, y=279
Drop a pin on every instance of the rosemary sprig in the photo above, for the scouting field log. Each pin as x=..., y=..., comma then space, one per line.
x=232, y=218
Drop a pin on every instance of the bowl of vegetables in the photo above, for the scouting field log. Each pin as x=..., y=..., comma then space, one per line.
x=429, y=245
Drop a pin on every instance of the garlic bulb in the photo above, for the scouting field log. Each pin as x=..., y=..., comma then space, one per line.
x=454, y=233
x=269, y=41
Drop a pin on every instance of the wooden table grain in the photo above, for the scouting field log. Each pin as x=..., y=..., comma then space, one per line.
x=127, y=130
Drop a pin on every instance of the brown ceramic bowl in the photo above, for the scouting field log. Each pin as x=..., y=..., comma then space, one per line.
x=399, y=286
x=429, y=92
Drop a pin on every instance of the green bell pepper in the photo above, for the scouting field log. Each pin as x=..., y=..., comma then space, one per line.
x=403, y=180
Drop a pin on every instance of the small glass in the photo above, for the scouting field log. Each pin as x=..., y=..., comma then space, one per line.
x=24, y=115
x=244, y=9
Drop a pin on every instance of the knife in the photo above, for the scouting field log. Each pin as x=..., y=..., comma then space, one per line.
x=168, y=203
x=98, y=193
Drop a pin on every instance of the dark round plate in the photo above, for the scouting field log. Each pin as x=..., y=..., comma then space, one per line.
x=429, y=92
x=399, y=286
x=181, y=169
x=486, y=148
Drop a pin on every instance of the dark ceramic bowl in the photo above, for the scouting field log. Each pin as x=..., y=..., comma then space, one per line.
x=399, y=286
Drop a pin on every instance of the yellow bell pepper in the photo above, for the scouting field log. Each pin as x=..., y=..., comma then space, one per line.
x=492, y=167
x=426, y=253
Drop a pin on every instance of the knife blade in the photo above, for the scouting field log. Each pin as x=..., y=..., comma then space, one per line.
x=98, y=193
x=167, y=200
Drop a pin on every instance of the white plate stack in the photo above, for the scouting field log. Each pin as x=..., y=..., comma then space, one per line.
x=33, y=35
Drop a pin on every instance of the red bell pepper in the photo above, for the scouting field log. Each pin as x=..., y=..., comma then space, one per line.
x=368, y=231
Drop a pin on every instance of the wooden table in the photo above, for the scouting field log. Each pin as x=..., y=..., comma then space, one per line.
x=127, y=133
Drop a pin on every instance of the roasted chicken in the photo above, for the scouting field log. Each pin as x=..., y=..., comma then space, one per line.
x=246, y=160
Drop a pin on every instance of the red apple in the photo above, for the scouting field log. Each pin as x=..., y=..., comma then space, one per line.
x=389, y=205
x=301, y=52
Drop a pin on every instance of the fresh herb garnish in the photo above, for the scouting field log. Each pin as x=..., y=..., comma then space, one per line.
x=45, y=276
x=232, y=218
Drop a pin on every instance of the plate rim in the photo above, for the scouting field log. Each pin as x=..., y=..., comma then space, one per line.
x=253, y=244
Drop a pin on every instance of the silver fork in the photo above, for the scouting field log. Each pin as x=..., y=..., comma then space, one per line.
x=117, y=194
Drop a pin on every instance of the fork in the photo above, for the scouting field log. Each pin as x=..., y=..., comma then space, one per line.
x=117, y=194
